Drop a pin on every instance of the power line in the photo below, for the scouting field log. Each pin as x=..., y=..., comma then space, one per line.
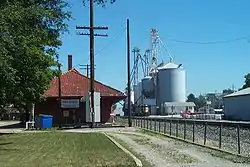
x=109, y=43
x=86, y=67
x=210, y=42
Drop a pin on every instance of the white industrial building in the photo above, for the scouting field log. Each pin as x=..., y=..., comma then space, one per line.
x=237, y=105
x=176, y=107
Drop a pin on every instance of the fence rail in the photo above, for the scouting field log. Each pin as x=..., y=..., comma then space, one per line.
x=226, y=135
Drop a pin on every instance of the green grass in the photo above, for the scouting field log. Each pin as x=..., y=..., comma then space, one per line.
x=56, y=149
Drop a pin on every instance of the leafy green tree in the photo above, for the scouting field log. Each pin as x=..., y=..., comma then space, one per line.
x=227, y=91
x=247, y=81
x=100, y=2
x=30, y=35
x=201, y=101
x=191, y=98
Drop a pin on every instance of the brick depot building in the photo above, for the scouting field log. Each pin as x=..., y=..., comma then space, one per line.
x=74, y=85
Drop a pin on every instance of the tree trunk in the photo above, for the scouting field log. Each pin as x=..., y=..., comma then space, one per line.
x=27, y=113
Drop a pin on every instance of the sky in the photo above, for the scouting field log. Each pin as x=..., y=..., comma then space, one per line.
x=210, y=67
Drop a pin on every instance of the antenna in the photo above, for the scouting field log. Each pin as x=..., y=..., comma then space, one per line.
x=136, y=51
x=147, y=57
x=155, y=43
x=154, y=47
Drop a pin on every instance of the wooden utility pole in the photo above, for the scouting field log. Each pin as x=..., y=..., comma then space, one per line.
x=91, y=34
x=129, y=85
x=87, y=68
x=59, y=91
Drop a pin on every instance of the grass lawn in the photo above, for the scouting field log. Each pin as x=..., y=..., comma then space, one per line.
x=55, y=149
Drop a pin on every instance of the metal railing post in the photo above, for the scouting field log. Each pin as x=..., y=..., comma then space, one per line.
x=238, y=138
x=205, y=133
x=193, y=129
x=185, y=128
x=159, y=126
x=170, y=127
x=150, y=124
x=147, y=123
x=144, y=122
x=165, y=126
x=220, y=135
x=141, y=122
x=177, y=128
x=155, y=125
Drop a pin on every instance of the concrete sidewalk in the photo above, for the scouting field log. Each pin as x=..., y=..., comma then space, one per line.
x=10, y=127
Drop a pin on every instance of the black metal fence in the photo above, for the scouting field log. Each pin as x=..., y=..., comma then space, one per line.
x=229, y=136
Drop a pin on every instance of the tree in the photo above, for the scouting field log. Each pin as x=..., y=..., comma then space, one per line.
x=247, y=81
x=191, y=98
x=201, y=102
x=99, y=2
x=30, y=35
x=227, y=91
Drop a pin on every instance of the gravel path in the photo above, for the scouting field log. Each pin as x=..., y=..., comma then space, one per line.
x=164, y=152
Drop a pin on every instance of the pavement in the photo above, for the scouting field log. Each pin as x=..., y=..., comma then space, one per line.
x=10, y=127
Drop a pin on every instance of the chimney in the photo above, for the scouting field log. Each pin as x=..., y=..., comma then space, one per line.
x=69, y=62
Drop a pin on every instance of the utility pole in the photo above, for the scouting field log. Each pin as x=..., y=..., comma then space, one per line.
x=91, y=34
x=59, y=91
x=87, y=68
x=129, y=85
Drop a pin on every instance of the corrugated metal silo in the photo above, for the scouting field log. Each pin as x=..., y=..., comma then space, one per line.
x=135, y=93
x=139, y=93
x=148, y=87
x=171, y=83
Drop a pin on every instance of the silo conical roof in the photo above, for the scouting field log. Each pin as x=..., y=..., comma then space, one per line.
x=169, y=66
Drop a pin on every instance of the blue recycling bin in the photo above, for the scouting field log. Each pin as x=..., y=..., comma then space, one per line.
x=44, y=121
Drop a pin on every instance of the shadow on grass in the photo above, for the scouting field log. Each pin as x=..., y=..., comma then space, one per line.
x=7, y=149
x=2, y=134
x=2, y=144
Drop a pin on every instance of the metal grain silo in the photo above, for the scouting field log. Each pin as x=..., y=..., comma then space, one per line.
x=135, y=92
x=139, y=93
x=148, y=87
x=171, y=83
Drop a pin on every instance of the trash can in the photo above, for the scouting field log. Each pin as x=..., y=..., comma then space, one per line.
x=44, y=121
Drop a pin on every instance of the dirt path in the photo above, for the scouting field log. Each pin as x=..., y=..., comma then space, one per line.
x=164, y=152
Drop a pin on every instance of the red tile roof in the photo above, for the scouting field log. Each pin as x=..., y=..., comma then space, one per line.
x=73, y=83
